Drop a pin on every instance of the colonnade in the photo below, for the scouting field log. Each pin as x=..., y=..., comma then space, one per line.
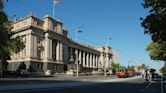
x=86, y=59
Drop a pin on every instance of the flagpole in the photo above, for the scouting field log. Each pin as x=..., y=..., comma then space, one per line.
x=53, y=10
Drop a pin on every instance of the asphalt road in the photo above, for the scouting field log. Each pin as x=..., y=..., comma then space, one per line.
x=131, y=86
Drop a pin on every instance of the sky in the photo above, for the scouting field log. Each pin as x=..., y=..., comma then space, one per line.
x=98, y=20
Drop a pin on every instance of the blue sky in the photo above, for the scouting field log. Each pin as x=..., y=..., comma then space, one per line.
x=99, y=20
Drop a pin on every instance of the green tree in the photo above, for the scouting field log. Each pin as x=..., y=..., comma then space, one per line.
x=157, y=51
x=163, y=69
x=115, y=66
x=143, y=66
x=155, y=25
x=8, y=44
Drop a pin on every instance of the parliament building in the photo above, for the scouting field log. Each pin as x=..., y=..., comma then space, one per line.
x=48, y=47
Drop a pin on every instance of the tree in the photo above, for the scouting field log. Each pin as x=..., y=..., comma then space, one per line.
x=114, y=65
x=163, y=69
x=8, y=44
x=157, y=51
x=155, y=25
x=143, y=66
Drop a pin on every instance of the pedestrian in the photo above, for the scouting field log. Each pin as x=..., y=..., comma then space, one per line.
x=143, y=74
x=22, y=69
x=149, y=72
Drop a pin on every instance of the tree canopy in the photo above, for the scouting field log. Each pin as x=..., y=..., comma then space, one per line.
x=143, y=66
x=8, y=44
x=163, y=69
x=157, y=51
x=155, y=25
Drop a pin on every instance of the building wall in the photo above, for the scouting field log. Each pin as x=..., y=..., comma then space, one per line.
x=47, y=47
x=115, y=57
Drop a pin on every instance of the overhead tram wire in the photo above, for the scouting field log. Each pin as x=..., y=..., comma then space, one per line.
x=22, y=3
x=40, y=10
x=126, y=14
x=87, y=19
x=85, y=22
x=125, y=17
x=91, y=42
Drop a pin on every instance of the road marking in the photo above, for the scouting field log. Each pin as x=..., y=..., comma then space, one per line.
x=146, y=87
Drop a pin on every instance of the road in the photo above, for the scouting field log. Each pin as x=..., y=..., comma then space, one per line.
x=129, y=86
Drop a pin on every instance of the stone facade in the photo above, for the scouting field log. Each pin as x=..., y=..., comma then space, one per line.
x=48, y=47
x=115, y=57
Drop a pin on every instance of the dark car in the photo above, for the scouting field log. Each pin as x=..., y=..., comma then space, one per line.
x=155, y=76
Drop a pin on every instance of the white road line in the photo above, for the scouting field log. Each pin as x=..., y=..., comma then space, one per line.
x=146, y=87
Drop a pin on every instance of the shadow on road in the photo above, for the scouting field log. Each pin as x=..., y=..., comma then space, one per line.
x=69, y=86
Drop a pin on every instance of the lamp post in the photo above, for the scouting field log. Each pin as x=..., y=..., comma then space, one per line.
x=129, y=63
x=105, y=72
x=109, y=39
x=77, y=31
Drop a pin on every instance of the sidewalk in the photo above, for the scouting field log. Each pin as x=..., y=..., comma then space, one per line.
x=81, y=81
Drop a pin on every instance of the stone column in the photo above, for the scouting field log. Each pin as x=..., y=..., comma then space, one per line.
x=66, y=56
x=31, y=48
x=76, y=56
x=45, y=66
x=47, y=46
x=80, y=61
x=90, y=60
x=87, y=60
x=94, y=61
x=61, y=52
x=42, y=52
x=21, y=54
x=35, y=46
x=71, y=52
x=57, y=51
x=97, y=61
x=24, y=55
x=23, y=50
x=84, y=59
x=50, y=50
x=107, y=61
x=27, y=46
x=102, y=60
x=14, y=55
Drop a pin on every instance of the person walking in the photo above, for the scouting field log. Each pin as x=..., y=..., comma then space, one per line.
x=143, y=75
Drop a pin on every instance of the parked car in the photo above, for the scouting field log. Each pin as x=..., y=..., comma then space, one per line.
x=155, y=75
x=24, y=73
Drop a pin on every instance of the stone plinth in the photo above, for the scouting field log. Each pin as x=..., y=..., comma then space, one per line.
x=70, y=72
